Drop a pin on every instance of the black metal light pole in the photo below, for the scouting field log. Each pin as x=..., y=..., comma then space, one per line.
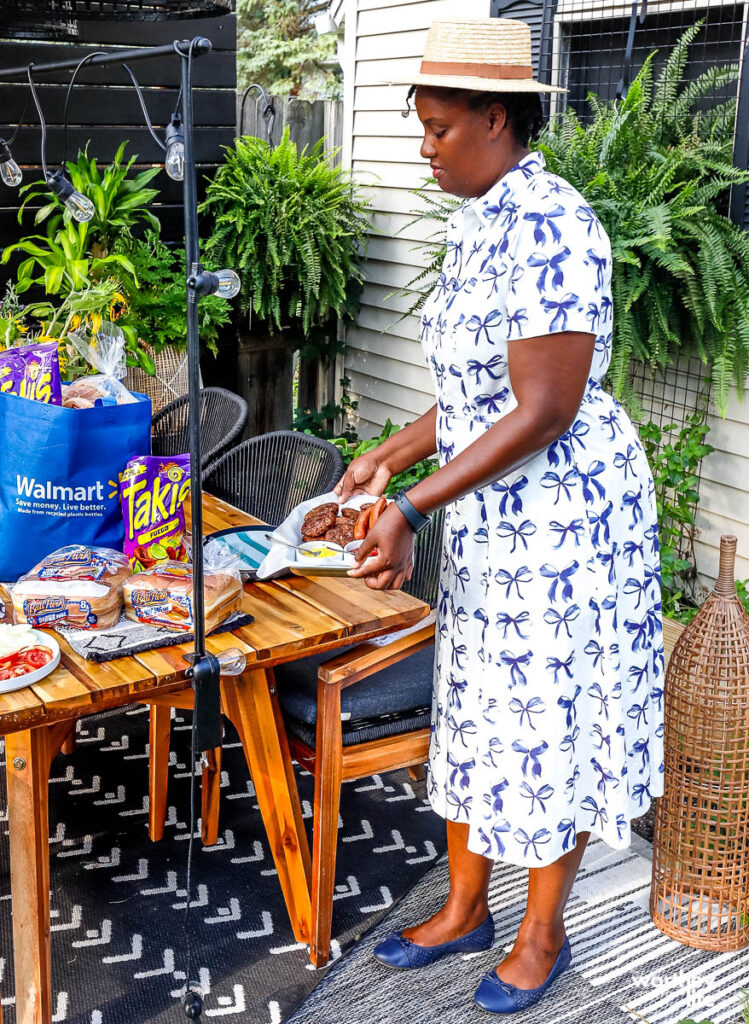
x=205, y=668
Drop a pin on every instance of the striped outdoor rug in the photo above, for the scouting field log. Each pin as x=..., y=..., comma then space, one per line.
x=624, y=969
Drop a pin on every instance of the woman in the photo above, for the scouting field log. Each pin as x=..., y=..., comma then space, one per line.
x=547, y=718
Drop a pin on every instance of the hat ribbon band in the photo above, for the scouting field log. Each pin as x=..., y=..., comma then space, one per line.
x=439, y=67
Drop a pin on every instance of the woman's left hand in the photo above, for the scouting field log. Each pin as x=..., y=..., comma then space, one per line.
x=393, y=564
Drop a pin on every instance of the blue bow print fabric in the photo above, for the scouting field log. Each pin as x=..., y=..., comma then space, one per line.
x=547, y=717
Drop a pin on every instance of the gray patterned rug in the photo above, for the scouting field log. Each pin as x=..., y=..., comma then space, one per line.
x=624, y=969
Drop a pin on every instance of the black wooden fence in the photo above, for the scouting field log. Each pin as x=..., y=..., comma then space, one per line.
x=104, y=107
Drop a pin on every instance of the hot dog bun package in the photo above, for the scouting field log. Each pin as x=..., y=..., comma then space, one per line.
x=163, y=596
x=103, y=348
x=326, y=531
x=76, y=586
x=153, y=493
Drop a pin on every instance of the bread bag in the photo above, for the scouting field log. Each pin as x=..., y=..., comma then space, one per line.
x=163, y=596
x=76, y=586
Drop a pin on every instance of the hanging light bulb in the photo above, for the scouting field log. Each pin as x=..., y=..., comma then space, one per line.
x=10, y=172
x=174, y=163
x=228, y=285
x=81, y=208
x=224, y=283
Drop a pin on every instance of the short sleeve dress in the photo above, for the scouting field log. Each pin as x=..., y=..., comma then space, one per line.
x=548, y=701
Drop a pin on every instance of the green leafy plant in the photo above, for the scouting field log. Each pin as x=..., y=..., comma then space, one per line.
x=62, y=261
x=156, y=303
x=353, y=449
x=675, y=459
x=120, y=202
x=657, y=172
x=293, y=226
x=278, y=47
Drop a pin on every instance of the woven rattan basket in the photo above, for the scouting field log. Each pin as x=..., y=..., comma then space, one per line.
x=700, y=889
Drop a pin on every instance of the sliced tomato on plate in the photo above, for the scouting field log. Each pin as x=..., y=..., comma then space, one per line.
x=20, y=663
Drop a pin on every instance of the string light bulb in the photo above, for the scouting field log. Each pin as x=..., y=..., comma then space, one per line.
x=224, y=283
x=174, y=164
x=81, y=208
x=10, y=172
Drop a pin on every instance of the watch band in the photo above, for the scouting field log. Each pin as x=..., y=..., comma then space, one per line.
x=414, y=518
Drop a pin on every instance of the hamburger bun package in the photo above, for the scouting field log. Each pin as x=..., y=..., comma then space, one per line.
x=153, y=493
x=163, y=596
x=77, y=586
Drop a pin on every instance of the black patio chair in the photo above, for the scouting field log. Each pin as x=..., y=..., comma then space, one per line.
x=222, y=419
x=267, y=476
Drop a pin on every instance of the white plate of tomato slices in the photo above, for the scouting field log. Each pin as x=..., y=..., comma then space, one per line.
x=26, y=656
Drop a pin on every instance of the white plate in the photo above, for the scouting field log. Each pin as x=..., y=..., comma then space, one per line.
x=43, y=639
x=279, y=561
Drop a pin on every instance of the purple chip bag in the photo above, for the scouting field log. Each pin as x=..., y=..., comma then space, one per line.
x=153, y=495
x=32, y=371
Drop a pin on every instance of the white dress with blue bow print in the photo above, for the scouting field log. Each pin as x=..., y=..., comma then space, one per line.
x=548, y=705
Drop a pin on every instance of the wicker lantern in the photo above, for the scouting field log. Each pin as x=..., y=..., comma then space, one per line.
x=700, y=885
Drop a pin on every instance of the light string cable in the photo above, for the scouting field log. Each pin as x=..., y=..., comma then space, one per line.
x=71, y=83
x=193, y=730
x=269, y=111
x=42, y=123
x=157, y=140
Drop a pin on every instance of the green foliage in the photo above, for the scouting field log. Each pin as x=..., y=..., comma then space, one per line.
x=293, y=226
x=12, y=326
x=437, y=209
x=62, y=261
x=657, y=173
x=278, y=47
x=157, y=303
x=72, y=256
x=120, y=202
x=675, y=462
x=353, y=449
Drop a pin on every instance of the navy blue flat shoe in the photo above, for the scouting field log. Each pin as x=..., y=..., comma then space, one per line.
x=497, y=996
x=402, y=953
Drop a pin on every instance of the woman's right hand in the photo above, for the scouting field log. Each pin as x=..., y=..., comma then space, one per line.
x=366, y=475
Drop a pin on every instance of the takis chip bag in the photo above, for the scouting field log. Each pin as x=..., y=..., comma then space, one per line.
x=153, y=494
x=32, y=371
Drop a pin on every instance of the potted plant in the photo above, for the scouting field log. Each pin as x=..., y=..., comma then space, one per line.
x=293, y=226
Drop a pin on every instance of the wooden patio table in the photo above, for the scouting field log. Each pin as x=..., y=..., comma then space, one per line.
x=293, y=618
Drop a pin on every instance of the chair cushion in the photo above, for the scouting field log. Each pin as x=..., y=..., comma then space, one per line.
x=396, y=690
x=363, y=730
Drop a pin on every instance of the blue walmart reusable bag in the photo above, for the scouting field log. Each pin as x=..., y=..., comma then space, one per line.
x=59, y=476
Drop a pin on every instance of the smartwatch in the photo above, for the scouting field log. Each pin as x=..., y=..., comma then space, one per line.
x=414, y=518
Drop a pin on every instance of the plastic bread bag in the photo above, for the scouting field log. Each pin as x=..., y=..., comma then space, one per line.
x=152, y=495
x=77, y=585
x=104, y=349
x=32, y=371
x=163, y=596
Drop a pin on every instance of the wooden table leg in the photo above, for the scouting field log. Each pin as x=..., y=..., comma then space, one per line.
x=28, y=758
x=250, y=702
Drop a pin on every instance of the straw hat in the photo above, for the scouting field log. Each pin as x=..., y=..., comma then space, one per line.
x=489, y=54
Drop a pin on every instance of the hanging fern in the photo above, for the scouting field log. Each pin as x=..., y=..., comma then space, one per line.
x=294, y=228
x=658, y=175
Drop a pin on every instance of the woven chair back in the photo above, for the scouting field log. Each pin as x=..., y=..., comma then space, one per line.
x=267, y=476
x=700, y=887
x=222, y=419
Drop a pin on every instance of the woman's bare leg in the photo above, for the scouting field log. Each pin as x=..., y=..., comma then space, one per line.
x=467, y=902
x=541, y=933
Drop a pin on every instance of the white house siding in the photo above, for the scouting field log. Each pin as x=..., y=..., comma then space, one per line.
x=384, y=39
